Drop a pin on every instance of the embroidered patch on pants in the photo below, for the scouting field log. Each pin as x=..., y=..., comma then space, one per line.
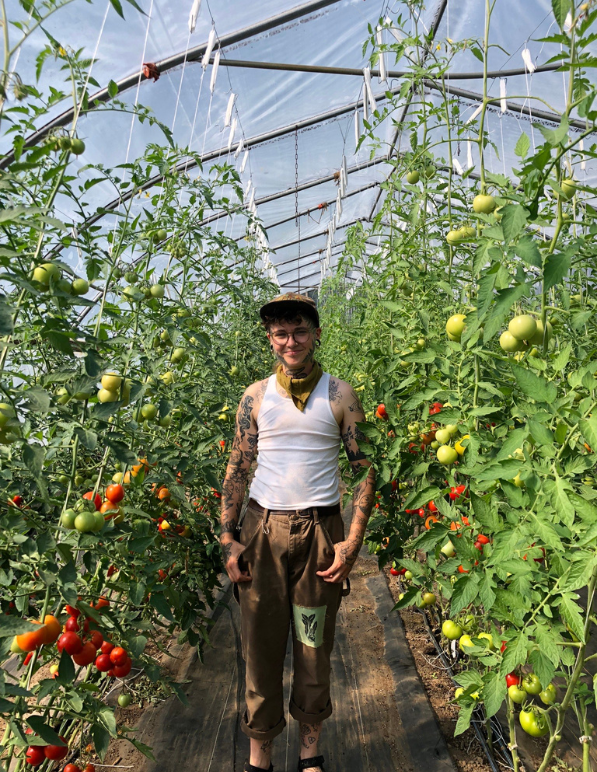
x=308, y=624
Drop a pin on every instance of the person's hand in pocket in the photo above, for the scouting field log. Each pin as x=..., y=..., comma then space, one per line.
x=231, y=552
x=344, y=559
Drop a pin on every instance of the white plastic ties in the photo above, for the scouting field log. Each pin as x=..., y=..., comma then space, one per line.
x=457, y=166
x=344, y=171
x=474, y=115
x=365, y=105
x=503, y=102
x=229, y=109
x=568, y=22
x=469, y=154
x=214, y=71
x=357, y=127
x=393, y=31
x=372, y=102
x=211, y=41
x=239, y=149
x=244, y=163
x=382, y=57
x=342, y=186
x=232, y=132
x=528, y=62
x=248, y=188
x=338, y=207
x=194, y=15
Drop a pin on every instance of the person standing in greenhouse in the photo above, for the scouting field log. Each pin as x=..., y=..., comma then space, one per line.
x=289, y=566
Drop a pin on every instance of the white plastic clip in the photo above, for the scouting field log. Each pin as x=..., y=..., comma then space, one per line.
x=194, y=15
x=528, y=62
x=367, y=76
x=214, y=71
x=211, y=41
x=228, y=117
x=382, y=58
x=244, y=163
x=357, y=127
x=503, y=102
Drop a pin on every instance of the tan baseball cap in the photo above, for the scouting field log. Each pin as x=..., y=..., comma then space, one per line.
x=302, y=304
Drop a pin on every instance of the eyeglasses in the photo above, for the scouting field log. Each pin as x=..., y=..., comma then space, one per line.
x=299, y=336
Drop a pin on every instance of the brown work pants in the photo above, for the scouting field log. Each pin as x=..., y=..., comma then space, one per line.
x=282, y=554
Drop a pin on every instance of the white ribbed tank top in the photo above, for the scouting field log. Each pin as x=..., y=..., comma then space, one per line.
x=297, y=463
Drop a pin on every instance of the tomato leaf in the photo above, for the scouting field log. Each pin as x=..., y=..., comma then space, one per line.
x=534, y=386
x=422, y=498
x=428, y=539
x=11, y=626
x=560, y=10
x=514, y=218
x=540, y=433
x=494, y=693
x=561, y=502
x=547, y=641
x=33, y=456
x=515, y=654
x=6, y=325
x=101, y=739
x=527, y=250
x=464, y=719
x=502, y=305
x=502, y=470
x=485, y=514
x=161, y=605
x=561, y=360
x=44, y=731
x=588, y=427
x=486, y=594
x=547, y=533
x=66, y=670
x=543, y=666
x=556, y=267
x=514, y=441
x=580, y=572
x=523, y=143
x=409, y=595
x=466, y=590
x=571, y=614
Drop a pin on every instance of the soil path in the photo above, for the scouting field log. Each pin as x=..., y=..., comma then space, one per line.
x=382, y=718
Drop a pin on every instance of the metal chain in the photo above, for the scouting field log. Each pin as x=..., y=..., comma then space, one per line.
x=296, y=204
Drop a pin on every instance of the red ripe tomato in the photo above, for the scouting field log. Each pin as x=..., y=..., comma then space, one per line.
x=118, y=656
x=222, y=443
x=89, y=768
x=453, y=495
x=97, y=639
x=503, y=647
x=115, y=493
x=394, y=485
x=465, y=521
x=27, y=659
x=111, y=571
x=120, y=671
x=102, y=603
x=107, y=647
x=111, y=673
x=483, y=539
x=103, y=663
x=97, y=501
x=71, y=626
x=412, y=448
x=56, y=752
x=421, y=512
x=409, y=511
x=70, y=642
x=72, y=611
x=512, y=679
x=478, y=546
x=381, y=412
x=73, y=768
x=394, y=572
x=86, y=656
x=35, y=755
x=462, y=570
x=18, y=501
x=431, y=507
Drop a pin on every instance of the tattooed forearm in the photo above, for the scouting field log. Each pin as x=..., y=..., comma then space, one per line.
x=226, y=551
x=355, y=405
x=349, y=439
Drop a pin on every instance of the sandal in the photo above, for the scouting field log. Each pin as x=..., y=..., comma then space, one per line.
x=252, y=768
x=315, y=761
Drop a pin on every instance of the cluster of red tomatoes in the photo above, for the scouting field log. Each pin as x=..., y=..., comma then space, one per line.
x=113, y=660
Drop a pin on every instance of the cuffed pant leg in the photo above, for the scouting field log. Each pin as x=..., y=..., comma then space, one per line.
x=314, y=607
x=265, y=621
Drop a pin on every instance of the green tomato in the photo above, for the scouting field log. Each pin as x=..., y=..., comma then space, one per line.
x=413, y=177
x=6, y=413
x=429, y=599
x=98, y=521
x=537, y=338
x=408, y=575
x=465, y=643
x=45, y=272
x=443, y=436
x=77, y=146
x=561, y=432
x=509, y=343
x=488, y=637
x=446, y=455
x=531, y=684
x=451, y=630
x=149, y=411
x=178, y=355
x=455, y=326
x=85, y=522
x=448, y=549
x=548, y=695
x=568, y=189
x=468, y=623
x=156, y=291
x=517, y=694
x=80, y=287
x=522, y=327
x=483, y=204
x=124, y=700
x=533, y=723
x=68, y=519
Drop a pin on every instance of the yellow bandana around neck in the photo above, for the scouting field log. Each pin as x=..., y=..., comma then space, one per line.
x=299, y=389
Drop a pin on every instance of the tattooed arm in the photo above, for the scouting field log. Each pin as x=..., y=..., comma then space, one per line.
x=235, y=481
x=347, y=407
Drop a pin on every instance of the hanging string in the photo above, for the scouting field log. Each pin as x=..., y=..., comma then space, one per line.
x=296, y=205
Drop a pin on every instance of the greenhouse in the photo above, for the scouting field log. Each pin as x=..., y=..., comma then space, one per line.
x=298, y=423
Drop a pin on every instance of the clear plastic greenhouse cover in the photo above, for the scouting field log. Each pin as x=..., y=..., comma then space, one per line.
x=337, y=186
